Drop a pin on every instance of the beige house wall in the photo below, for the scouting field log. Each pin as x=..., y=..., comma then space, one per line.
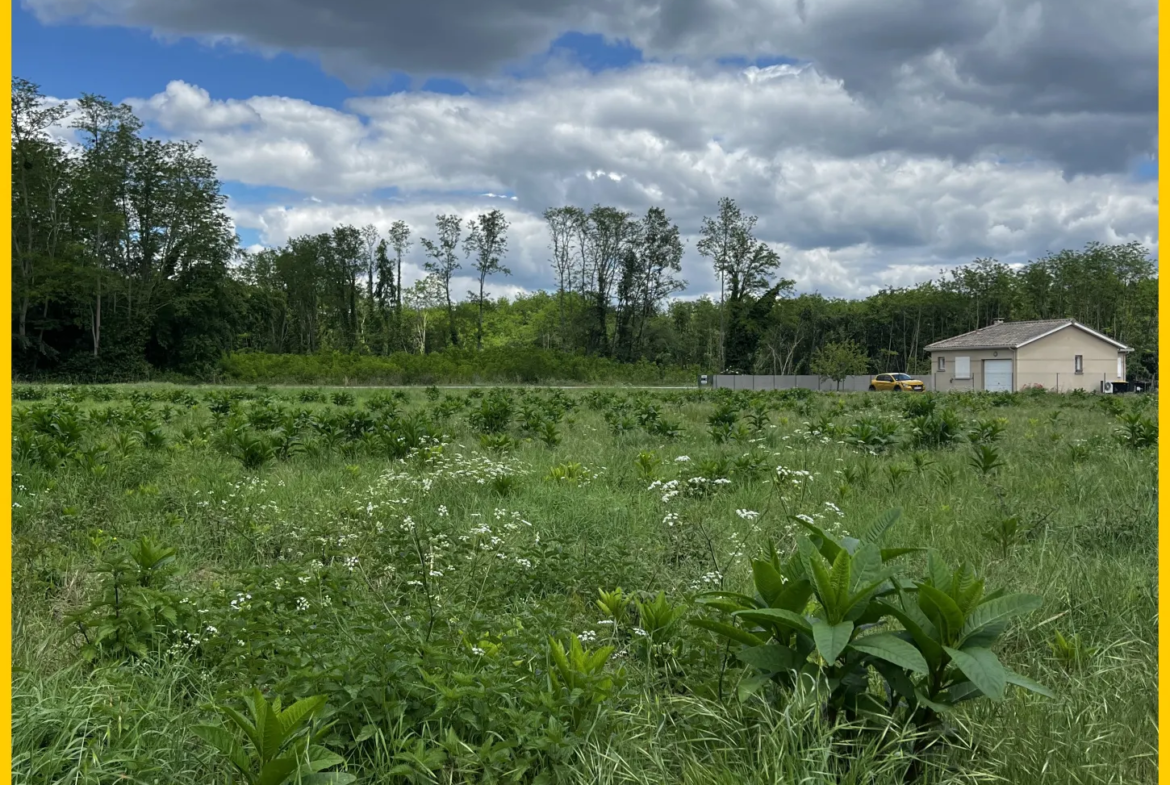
x=1051, y=361
x=946, y=381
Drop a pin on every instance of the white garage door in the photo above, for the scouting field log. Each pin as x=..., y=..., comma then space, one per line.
x=997, y=375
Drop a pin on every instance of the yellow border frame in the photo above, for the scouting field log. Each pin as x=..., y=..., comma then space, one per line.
x=6, y=415
x=1163, y=410
x=6, y=423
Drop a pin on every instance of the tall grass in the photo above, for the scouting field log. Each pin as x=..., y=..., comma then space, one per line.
x=1085, y=502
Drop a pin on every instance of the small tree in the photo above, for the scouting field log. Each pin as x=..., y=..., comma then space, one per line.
x=427, y=294
x=486, y=243
x=444, y=262
x=400, y=242
x=837, y=360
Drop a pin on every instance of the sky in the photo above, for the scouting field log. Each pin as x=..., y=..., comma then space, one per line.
x=879, y=143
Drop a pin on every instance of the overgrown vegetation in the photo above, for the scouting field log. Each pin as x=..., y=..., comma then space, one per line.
x=126, y=267
x=550, y=586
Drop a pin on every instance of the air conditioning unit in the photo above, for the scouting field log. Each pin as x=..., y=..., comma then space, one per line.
x=1106, y=386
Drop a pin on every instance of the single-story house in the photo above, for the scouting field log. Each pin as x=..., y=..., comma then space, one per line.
x=1058, y=354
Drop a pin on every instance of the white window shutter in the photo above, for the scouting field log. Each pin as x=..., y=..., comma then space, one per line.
x=962, y=367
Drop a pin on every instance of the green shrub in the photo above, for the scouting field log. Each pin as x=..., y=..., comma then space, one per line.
x=279, y=746
x=830, y=598
x=1138, y=432
x=493, y=414
x=134, y=608
x=935, y=431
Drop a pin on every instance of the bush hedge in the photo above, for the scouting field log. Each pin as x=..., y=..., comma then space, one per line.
x=452, y=366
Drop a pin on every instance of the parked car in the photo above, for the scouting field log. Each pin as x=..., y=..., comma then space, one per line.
x=896, y=382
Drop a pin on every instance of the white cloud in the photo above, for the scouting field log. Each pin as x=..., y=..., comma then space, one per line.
x=855, y=195
x=1030, y=58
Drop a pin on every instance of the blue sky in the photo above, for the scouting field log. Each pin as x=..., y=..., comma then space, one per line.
x=68, y=59
x=118, y=62
x=853, y=184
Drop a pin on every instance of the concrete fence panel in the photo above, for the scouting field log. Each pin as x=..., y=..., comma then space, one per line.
x=1054, y=382
x=808, y=382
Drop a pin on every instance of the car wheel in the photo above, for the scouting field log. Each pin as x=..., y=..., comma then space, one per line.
x=872, y=388
x=897, y=388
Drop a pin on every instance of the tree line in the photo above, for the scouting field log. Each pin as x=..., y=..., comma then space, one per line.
x=126, y=264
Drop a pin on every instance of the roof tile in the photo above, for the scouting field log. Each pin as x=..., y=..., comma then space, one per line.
x=1006, y=335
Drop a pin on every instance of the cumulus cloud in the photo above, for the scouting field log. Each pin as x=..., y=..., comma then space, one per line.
x=902, y=138
x=1041, y=58
x=854, y=195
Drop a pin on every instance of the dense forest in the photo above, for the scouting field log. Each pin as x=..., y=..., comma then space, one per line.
x=125, y=266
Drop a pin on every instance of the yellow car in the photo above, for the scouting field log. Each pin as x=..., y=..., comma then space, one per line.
x=896, y=382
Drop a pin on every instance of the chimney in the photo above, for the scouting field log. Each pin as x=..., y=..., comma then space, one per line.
x=997, y=321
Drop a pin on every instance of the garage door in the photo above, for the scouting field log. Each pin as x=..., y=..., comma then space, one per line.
x=997, y=375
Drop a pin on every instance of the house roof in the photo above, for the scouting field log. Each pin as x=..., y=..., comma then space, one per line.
x=1013, y=335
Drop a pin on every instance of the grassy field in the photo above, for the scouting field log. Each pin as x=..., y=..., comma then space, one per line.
x=419, y=559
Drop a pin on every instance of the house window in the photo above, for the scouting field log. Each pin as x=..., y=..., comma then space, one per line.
x=962, y=367
x=942, y=363
x=1079, y=363
x=1121, y=369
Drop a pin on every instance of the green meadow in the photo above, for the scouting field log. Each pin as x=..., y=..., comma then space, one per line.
x=533, y=585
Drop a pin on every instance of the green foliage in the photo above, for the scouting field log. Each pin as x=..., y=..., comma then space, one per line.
x=759, y=419
x=937, y=430
x=987, y=431
x=383, y=561
x=920, y=405
x=1138, y=432
x=493, y=365
x=251, y=448
x=279, y=746
x=499, y=443
x=921, y=462
x=896, y=475
x=872, y=434
x=504, y=484
x=1072, y=652
x=724, y=417
x=647, y=464
x=1111, y=404
x=615, y=605
x=659, y=618
x=135, y=608
x=653, y=423
x=985, y=459
x=1006, y=533
x=493, y=414
x=568, y=473
x=941, y=657
x=549, y=434
x=839, y=359
x=579, y=679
